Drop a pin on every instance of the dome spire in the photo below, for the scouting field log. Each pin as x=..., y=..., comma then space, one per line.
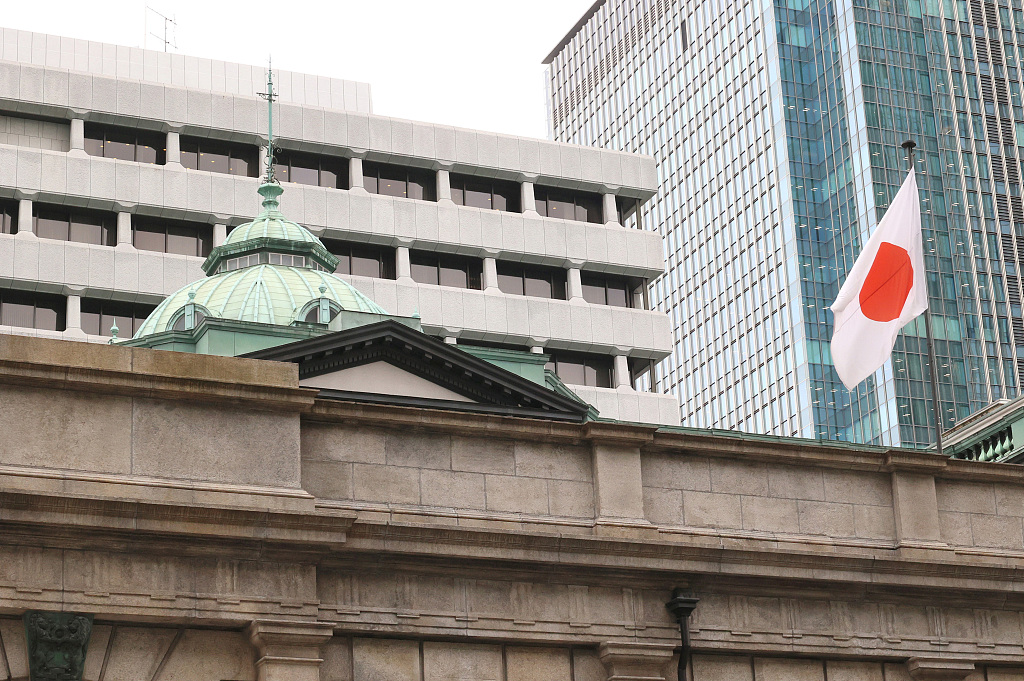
x=270, y=190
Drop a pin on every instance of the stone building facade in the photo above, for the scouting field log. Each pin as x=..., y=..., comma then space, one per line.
x=115, y=161
x=218, y=521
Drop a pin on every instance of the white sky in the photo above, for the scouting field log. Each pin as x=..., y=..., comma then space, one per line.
x=471, y=63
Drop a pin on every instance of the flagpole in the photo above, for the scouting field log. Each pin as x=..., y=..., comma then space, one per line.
x=909, y=146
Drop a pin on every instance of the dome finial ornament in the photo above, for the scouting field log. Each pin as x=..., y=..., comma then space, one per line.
x=270, y=96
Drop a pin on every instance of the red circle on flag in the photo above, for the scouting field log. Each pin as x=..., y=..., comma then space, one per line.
x=885, y=289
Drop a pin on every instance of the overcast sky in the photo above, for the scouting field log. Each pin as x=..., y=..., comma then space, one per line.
x=472, y=63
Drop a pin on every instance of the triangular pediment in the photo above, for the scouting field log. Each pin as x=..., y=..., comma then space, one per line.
x=392, y=363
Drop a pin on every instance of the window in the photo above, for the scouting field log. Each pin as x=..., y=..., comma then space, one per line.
x=641, y=373
x=32, y=310
x=485, y=193
x=319, y=171
x=362, y=260
x=8, y=217
x=219, y=157
x=389, y=180
x=578, y=369
x=529, y=280
x=74, y=224
x=142, y=146
x=99, y=315
x=627, y=208
x=446, y=270
x=162, y=236
x=607, y=290
x=570, y=205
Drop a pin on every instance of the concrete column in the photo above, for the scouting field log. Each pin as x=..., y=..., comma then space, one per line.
x=636, y=661
x=77, y=147
x=124, y=229
x=355, y=175
x=73, y=314
x=575, y=284
x=490, y=274
x=939, y=669
x=403, y=268
x=288, y=651
x=451, y=340
x=444, y=185
x=263, y=161
x=537, y=349
x=220, y=233
x=173, y=157
x=621, y=376
x=526, y=197
x=26, y=225
x=611, y=211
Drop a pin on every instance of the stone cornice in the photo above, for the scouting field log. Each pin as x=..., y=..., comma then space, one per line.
x=55, y=516
x=140, y=372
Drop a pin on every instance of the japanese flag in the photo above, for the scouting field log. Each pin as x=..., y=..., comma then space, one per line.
x=884, y=290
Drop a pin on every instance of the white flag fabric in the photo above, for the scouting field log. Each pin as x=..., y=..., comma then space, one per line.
x=885, y=289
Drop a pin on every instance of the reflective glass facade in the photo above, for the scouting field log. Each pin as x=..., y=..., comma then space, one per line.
x=777, y=126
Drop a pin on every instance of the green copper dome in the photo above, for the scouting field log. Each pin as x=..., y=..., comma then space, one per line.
x=269, y=271
x=269, y=294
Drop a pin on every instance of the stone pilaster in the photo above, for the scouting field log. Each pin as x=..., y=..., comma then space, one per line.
x=526, y=197
x=621, y=373
x=26, y=225
x=611, y=211
x=77, y=141
x=444, y=186
x=636, y=661
x=575, y=284
x=220, y=233
x=355, y=175
x=288, y=651
x=490, y=277
x=403, y=266
x=124, y=229
x=939, y=669
x=173, y=145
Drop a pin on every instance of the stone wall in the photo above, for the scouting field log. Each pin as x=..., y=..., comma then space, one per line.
x=223, y=524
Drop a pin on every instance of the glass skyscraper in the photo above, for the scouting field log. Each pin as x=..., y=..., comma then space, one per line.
x=777, y=127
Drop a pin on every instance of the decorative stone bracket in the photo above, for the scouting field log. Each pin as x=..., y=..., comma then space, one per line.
x=57, y=643
x=636, y=661
x=939, y=669
x=289, y=651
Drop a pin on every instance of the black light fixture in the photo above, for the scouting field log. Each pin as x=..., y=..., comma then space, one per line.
x=682, y=605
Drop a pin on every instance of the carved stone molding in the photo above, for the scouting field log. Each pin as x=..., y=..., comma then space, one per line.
x=57, y=643
x=939, y=669
x=636, y=661
x=288, y=651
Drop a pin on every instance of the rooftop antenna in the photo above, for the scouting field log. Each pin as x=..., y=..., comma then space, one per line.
x=270, y=95
x=168, y=21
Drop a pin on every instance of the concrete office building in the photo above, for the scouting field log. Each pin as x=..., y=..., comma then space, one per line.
x=776, y=128
x=120, y=169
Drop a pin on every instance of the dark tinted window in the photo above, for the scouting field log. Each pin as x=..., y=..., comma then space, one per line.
x=165, y=236
x=362, y=260
x=99, y=315
x=578, y=369
x=74, y=224
x=627, y=208
x=127, y=144
x=485, y=193
x=321, y=171
x=568, y=204
x=391, y=180
x=607, y=290
x=32, y=310
x=641, y=373
x=8, y=217
x=219, y=157
x=446, y=270
x=530, y=280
